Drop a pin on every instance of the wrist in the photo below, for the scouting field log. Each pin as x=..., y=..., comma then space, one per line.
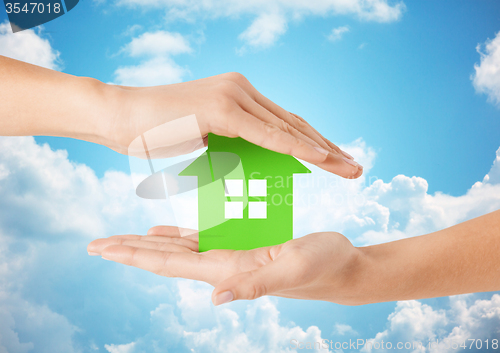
x=366, y=280
x=384, y=273
x=106, y=118
x=109, y=114
x=127, y=111
x=356, y=279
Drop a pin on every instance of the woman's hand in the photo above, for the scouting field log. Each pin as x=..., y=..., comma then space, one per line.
x=225, y=105
x=325, y=266
x=319, y=266
x=116, y=116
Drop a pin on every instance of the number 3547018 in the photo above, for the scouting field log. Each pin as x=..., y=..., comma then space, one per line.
x=33, y=7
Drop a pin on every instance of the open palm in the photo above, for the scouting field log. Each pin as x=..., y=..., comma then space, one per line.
x=316, y=266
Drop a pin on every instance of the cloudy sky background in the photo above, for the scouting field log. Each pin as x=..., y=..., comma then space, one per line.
x=411, y=90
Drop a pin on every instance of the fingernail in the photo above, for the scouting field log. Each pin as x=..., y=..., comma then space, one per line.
x=321, y=150
x=347, y=155
x=350, y=161
x=105, y=258
x=93, y=253
x=223, y=298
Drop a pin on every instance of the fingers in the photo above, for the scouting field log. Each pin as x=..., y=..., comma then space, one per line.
x=96, y=246
x=342, y=166
x=183, y=264
x=260, y=112
x=165, y=231
x=293, y=120
x=170, y=231
x=328, y=142
x=336, y=161
x=149, y=242
x=274, y=277
x=272, y=137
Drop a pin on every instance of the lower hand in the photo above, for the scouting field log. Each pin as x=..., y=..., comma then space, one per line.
x=319, y=266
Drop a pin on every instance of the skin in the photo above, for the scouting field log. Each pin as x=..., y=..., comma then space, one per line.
x=325, y=266
x=38, y=101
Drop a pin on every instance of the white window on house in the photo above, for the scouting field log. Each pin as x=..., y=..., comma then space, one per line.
x=233, y=209
x=234, y=187
x=256, y=188
x=257, y=209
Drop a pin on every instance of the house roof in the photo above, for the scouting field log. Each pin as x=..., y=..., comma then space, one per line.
x=227, y=155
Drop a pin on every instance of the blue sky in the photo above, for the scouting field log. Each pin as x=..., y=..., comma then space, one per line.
x=395, y=89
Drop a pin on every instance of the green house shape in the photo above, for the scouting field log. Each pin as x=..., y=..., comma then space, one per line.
x=245, y=194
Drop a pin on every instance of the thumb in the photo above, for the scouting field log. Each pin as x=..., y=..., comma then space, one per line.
x=265, y=280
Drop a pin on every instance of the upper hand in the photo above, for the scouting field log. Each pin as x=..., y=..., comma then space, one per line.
x=225, y=105
x=318, y=266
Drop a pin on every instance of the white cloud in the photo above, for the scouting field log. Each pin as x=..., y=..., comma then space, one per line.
x=256, y=329
x=272, y=16
x=131, y=29
x=343, y=329
x=337, y=33
x=195, y=304
x=480, y=320
x=157, y=67
x=120, y=348
x=157, y=71
x=412, y=321
x=57, y=197
x=160, y=43
x=487, y=76
x=28, y=46
x=50, y=208
x=265, y=30
x=415, y=322
x=493, y=177
x=42, y=329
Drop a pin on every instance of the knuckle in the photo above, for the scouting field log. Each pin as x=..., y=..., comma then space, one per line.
x=271, y=132
x=295, y=131
x=299, y=118
x=227, y=88
x=271, y=129
x=224, y=97
x=298, y=145
x=256, y=289
x=133, y=258
x=286, y=127
x=235, y=77
x=300, y=124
